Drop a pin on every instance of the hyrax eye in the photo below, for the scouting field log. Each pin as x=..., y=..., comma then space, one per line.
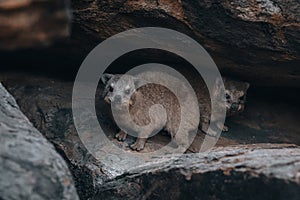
x=111, y=88
x=242, y=98
x=127, y=91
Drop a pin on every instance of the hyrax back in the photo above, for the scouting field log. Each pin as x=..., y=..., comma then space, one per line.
x=180, y=111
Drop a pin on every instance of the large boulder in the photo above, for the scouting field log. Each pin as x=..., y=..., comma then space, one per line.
x=258, y=41
x=30, y=167
x=264, y=171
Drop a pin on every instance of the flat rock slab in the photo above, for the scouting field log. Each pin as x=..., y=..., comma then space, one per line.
x=262, y=171
x=30, y=167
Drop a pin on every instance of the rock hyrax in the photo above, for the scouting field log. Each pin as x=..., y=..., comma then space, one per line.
x=132, y=101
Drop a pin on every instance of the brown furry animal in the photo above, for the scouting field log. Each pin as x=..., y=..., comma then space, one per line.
x=234, y=101
x=134, y=105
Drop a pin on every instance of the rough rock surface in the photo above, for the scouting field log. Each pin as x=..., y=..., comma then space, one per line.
x=261, y=171
x=33, y=23
x=30, y=167
x=257, y=40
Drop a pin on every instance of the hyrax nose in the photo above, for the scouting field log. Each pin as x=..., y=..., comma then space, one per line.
x=117, y=99
x=234, y=106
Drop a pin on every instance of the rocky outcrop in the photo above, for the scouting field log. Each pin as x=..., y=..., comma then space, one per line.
x=33, y=23
x=48, y=104
x=30, y=167
x=258, y=41
x=261, y=171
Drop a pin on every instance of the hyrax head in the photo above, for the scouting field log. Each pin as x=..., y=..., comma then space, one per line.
x=119, y=88
x=235, y=94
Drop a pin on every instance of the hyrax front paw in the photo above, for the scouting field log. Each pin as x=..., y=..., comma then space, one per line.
x=215, y=132
x=225, y=128
x=139, y=144
x=121, y=136
x=204, y=125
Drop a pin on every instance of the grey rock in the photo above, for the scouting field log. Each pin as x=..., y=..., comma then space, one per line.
x=260, y=171
x=30, y=167
x=257, y=41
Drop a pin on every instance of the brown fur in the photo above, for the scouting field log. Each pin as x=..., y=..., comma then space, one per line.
x=141, y=101
x=235, y=94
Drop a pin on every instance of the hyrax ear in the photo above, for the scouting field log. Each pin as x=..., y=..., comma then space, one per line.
x=106, y=77
x=219, y=83
x=247, y=85
x=218, y=86
x=138, y=82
